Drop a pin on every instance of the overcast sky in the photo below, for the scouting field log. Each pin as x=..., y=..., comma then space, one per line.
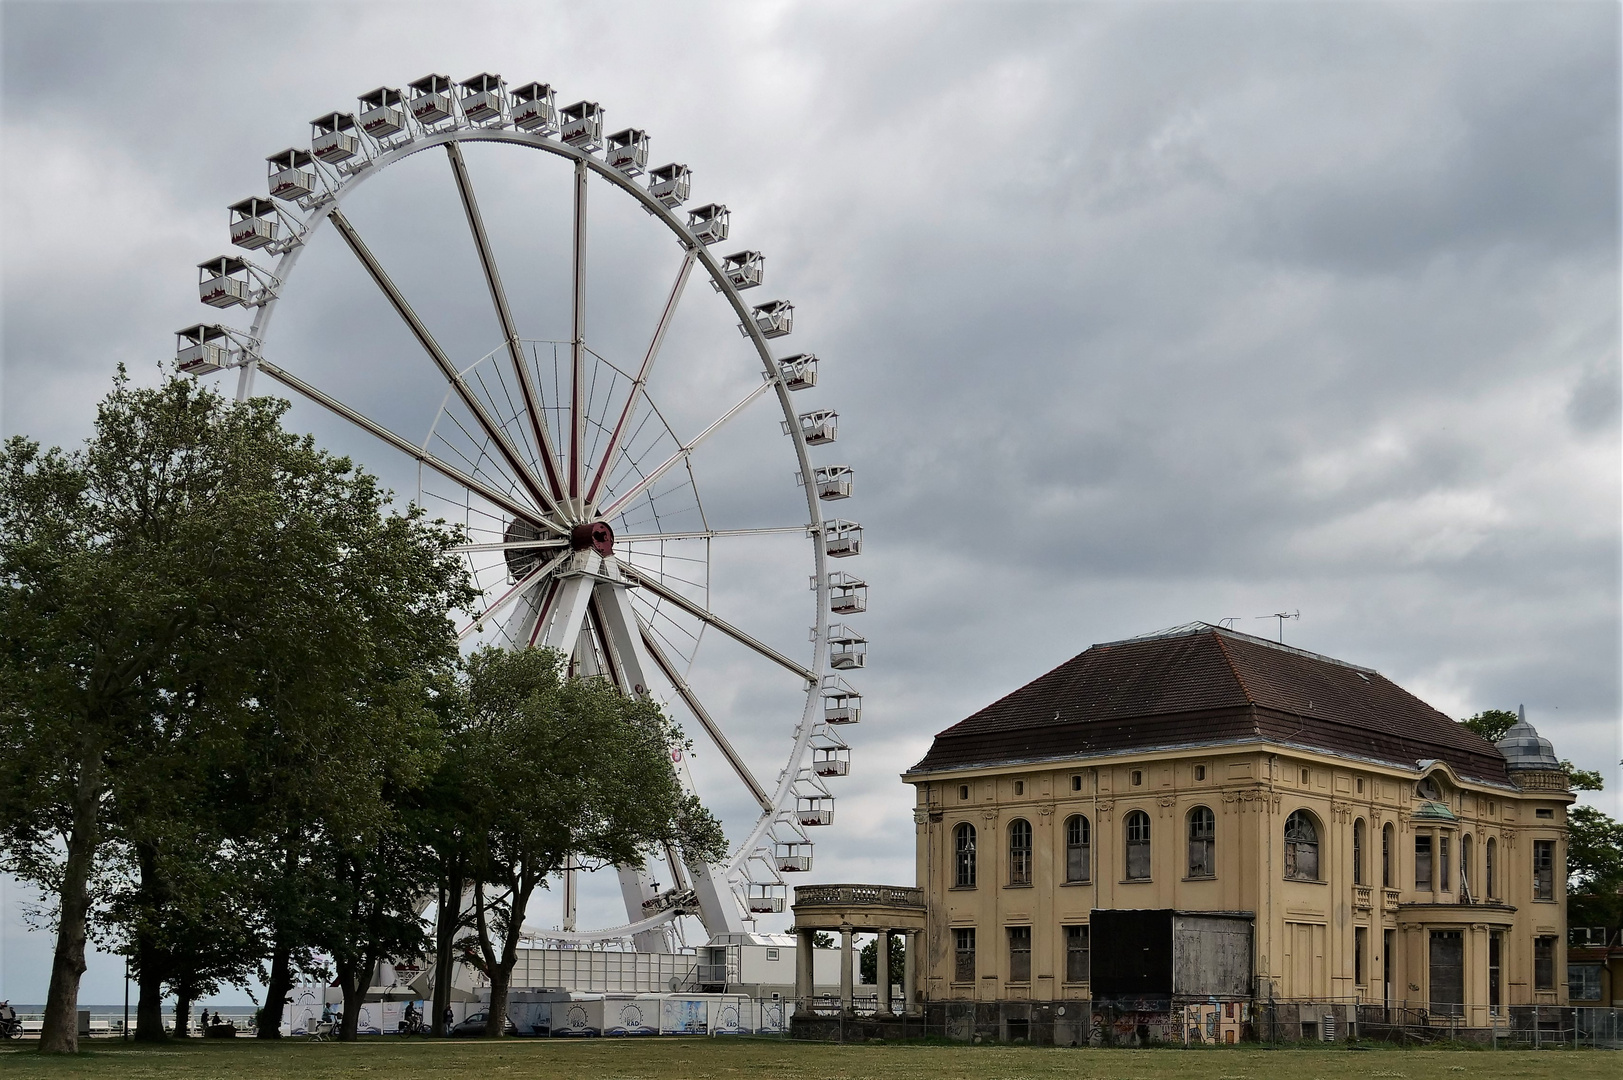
x=1133, y=314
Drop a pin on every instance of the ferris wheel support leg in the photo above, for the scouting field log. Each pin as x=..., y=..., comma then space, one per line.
x=245, y=380
x=637, y=885
x=623, y=637
x=561, y=628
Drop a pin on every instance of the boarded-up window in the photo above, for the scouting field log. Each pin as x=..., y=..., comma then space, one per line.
x=1138, y=846
x=1301, y=847
x=1202, y=842
x=964, y=954
x=1544, y=963
x=1078, y=849
x=1543, y=869
x=1076, y=954
x=1447, y=972
x=1422, y=863
x=1019, y=852
x=1019, y=954
x=964, y=856
x=1305, y=974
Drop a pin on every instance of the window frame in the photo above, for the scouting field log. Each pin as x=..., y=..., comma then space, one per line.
x=1544, y=870
x=963, y=946
x=1295, y=847
x=1207, y=842
x=1388, y=843
x=1082, y=847
x=1140, y=845
x=1544, y=946
x=1073, y=933
x=1424, y=884
x=963, y=856
x=1021, y=839
x=1489, y=850
x=1019, y=940
x=1360, y=831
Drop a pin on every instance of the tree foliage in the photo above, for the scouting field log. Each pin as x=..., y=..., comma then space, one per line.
x=562, y=769
x=192, y=594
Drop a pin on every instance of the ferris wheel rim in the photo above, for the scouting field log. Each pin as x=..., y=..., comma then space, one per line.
x=794, y=776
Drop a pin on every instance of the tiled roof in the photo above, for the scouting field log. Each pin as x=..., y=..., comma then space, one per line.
x=1206, y=684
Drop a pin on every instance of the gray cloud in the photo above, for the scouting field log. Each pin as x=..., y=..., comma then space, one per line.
x=1132, y=314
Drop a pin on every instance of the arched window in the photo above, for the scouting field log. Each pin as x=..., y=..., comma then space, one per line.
x=1301, y=847
x=1487, y=869
x=1019, y=852
x=1137, y=824
x=1202, y=843
x=1358, y=852
x=1465, y=867
x=963, y=842
x=1386, y=856
x=1078, y=861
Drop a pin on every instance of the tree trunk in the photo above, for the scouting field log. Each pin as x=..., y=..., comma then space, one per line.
x=149, y=1005
x=446, y=923
x=276, y=990
x=183, y=1012
x=151, y=961
x=501, y=973
x=354, y=986
x=59, y=1034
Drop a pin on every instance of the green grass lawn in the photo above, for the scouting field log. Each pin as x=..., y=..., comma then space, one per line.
x=728, y=1058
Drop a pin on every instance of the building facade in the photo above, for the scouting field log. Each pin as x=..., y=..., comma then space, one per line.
x=1382, y=853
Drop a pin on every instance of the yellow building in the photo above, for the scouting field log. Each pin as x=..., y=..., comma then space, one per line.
x=1381, y=853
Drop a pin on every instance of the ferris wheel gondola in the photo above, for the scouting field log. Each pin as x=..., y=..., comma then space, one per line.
x=580, y=497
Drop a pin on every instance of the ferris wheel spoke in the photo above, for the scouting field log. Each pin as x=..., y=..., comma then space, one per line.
x=641, y=381
x=708, y=534
x=622, y=501
x=658, y=588
x=522, y=586
x=411, y=449
x=497, y=433
x=504, y=313
x=703, y=716
x=577, y=338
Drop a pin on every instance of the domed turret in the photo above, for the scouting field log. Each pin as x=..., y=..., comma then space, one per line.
x=1525, y=748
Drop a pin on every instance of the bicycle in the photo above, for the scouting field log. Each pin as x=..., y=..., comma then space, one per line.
x=412, y=1025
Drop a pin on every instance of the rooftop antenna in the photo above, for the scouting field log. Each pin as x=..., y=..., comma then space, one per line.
x=1282, y=616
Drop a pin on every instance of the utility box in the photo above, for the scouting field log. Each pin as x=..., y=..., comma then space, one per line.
x=1164, y=954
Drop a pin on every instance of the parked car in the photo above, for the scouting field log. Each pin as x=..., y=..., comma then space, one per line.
x=475, y=1025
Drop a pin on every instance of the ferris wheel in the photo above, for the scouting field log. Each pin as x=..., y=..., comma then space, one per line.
x=589, y=508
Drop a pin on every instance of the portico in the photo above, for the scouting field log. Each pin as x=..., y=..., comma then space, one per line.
x=848, y=910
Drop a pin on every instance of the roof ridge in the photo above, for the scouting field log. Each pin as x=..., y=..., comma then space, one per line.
x=1235, y=670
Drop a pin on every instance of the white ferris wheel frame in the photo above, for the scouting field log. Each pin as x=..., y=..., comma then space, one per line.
x=753, y=861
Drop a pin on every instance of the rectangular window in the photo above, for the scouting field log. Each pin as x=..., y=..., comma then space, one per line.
x=1447, y=972
x=1019, y=954
x=1442, y=861
x=1076, y=781
x=1583, y=982
x=1077, y=848
x=1544, y=963
x=1138, y=777
x=1076, y=954
x=1496, y=950
x=1422, y=863
x=964, y=948
x=1546, y=814
x=1202, y=843
x=1543, y=869
x=1360, y=952
x=772, y=954
x=1200, y=772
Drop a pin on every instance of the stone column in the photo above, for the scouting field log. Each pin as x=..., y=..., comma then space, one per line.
x=805, y=971
x=882, y=973
x=845, y=971
x=910, y=971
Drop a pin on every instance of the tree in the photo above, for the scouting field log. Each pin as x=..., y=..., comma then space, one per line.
x=562, y=768
x=868, y=960
x=1491, y=724
x=162, y=584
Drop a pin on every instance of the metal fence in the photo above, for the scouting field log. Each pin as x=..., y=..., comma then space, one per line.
x=1216, y=1023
